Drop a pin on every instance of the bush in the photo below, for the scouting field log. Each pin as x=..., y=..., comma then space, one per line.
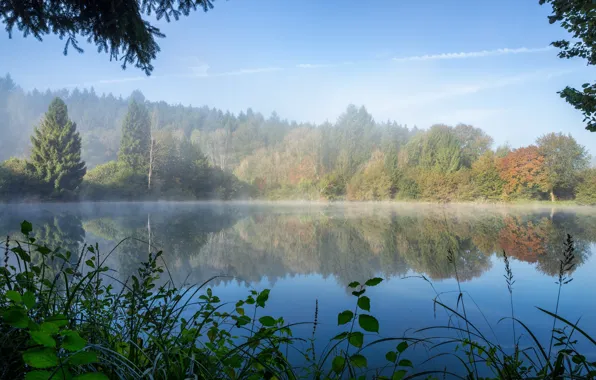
x=16, y=181
x=333, y=186
x=407, y=187
x=113, y=180
x=371, y=182
x=585, y=193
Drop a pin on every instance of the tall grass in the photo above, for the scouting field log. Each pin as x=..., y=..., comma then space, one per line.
x=64, y=315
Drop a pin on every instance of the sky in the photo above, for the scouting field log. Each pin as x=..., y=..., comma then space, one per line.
x=484, y=63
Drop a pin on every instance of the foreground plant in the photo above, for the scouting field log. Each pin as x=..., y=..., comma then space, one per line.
x=63, y=315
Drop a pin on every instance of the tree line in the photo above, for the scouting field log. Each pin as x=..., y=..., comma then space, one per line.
x=131, y=148
x=149, y=164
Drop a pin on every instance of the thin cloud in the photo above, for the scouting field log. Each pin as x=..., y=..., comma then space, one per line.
x=471, y=54
x=448, y=92
x=314, y=65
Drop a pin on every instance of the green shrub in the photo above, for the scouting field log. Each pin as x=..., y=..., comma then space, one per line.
x=113, y=180
x=585, y=193
x=16, y=180
x=333, y=186
x=371, y=182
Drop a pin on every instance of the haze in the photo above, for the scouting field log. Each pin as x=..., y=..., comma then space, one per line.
x=482, y=63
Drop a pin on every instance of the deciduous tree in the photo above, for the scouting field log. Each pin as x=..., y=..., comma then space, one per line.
x=564, y=158
x=524, y=172
x=578, y=17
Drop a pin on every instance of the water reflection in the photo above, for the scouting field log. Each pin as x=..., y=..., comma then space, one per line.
x=249, y=242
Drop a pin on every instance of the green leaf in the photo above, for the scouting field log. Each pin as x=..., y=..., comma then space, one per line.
x=368, y=323
x=353, y=284
x=405, y=363
x=263, y=297
x=340, y=336
x=16, y=317
x=38, y=375
x=358, y=360
x=359, y=292
x=44, y=250
x=23, y=255
x=356, y=339
x=40, y=357
x=373, y=281
x=402, y=347
x=14, y=296
x=364, y=303
x=398, y=375
x=391, y=356
x=267, y=321
x=82, y=358
x=43, y=338
x=29, y=299
x=344, y=317
x=26, y=227
x=91, y=376
x=240, y=310
x=58, y=320
x=49, y=327
x=242, y=320
x=90, y=263
x=72, y=341
x=338, y=364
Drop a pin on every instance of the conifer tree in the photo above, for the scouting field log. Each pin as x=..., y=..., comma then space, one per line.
x=136, y=137
x=56, y=154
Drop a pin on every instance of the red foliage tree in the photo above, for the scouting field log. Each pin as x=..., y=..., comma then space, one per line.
x=523, y=171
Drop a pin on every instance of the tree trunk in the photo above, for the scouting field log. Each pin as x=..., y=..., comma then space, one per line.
x=150, y=163
x=553, y=198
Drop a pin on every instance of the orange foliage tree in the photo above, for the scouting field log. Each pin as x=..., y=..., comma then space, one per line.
x=523, y=171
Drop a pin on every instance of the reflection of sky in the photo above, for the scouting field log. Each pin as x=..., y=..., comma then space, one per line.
x=405, y=305
x=401, y=305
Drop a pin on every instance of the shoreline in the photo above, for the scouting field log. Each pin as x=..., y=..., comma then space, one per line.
x=290, y=202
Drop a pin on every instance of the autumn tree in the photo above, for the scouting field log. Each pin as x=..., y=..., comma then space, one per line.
x=524, y=172
x=577, y=17
x=56, y=151
x=564, y=158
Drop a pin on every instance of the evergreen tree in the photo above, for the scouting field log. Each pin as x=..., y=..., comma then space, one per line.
x=136, y=137
x=56, y=153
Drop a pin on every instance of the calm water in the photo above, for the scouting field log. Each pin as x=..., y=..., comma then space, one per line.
x=308, y=252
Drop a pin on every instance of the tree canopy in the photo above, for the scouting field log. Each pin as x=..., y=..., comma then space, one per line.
x=56, y=151
x=116, y=27
x=578, y=17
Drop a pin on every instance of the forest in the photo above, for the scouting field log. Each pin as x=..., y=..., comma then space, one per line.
x=79, y=145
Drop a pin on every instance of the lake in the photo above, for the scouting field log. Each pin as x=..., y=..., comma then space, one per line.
x=307, y=252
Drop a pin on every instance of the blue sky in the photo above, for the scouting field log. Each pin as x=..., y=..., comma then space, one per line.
x=485, y=63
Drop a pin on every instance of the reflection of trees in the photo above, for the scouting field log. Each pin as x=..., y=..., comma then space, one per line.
x=347, y=243
x=425, y=242
x=180, y=235
x=540, y=239
x=62, y=230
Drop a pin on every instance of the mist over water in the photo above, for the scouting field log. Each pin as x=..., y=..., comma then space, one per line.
x=311, y=251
